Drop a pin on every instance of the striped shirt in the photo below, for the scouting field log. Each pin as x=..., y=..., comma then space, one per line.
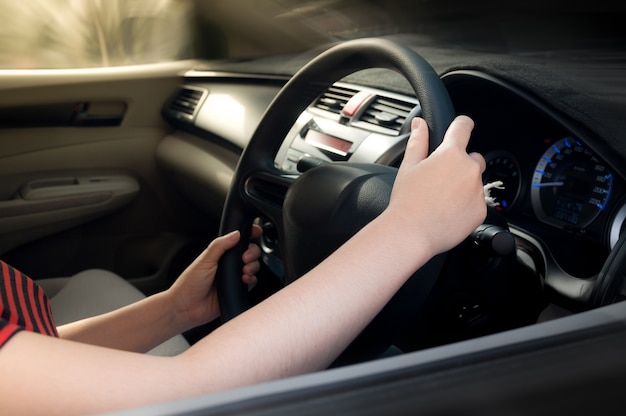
x=23, y=305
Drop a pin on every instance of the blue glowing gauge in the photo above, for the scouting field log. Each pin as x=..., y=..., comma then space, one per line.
x=570, y=186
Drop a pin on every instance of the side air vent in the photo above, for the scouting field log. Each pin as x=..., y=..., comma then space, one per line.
x=387, y=112
x=334, y=99
x=186, y=103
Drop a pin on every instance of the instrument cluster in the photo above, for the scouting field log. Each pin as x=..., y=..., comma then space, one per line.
x=556, y=187
x=569, y=186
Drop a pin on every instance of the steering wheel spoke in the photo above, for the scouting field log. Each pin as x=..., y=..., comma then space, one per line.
x=266, y=192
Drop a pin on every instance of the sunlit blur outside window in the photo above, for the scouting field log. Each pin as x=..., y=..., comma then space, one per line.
x=48, y=34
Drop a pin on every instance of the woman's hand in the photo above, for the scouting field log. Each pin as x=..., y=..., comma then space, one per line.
x=446, y=208
x=194, y=295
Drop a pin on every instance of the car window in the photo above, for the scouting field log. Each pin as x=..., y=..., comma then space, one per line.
x=38, y=34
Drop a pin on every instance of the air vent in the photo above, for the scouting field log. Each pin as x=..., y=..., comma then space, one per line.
x=387, y=112
x=334, y=99
x=185, y=103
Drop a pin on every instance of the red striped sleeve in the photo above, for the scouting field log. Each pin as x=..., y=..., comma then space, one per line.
x=6, y=295
x=45, y=314
x=22, y=312
x=7, y=330
x=23, y=305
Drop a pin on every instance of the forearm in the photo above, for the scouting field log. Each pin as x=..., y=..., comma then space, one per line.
x=309, y=323
x=138, y=327
x=189, y=302
x=302, y=328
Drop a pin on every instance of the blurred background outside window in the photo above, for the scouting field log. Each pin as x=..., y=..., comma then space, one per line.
x=45, y=34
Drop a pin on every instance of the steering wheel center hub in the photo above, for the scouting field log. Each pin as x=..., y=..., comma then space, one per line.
x=326, y=206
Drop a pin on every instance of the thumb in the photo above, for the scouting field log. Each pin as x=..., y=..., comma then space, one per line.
x=219, y=246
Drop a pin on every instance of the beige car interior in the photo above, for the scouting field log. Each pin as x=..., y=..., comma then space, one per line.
x=50, y=183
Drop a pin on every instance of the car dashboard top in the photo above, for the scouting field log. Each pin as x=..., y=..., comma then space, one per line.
x=561, y=197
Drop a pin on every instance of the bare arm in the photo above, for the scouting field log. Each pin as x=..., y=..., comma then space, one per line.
x=310, y=322
x=137, y=327
x=301, y=328
x=191, y=301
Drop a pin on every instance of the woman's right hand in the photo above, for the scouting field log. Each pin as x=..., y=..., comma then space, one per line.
x=439, y=198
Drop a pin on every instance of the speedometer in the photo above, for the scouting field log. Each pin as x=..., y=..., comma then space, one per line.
x=570, y=186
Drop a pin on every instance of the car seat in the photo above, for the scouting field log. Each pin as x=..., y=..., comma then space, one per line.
x=93, y=292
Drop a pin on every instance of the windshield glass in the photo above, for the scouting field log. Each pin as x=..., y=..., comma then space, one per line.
x=97, y=33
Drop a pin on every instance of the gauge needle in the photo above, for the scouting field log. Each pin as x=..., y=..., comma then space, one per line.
x=548, y=184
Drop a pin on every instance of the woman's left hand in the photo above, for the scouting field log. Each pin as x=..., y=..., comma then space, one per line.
x=194, y=295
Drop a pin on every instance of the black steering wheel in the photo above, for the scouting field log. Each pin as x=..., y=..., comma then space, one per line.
x=309, y=226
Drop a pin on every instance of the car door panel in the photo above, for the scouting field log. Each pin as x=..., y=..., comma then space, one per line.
x=54, y=203
x=79, y=183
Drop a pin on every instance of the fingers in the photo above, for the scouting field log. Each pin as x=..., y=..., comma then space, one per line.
x=251, y=254
x=480, y=159
x=249, y=280
x=257, y=231
x=221, y=244
x=250, y=259
x=417, y=146
x=251, y=265
x=459, y=133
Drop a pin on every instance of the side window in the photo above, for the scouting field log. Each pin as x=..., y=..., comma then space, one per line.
x=37, y=34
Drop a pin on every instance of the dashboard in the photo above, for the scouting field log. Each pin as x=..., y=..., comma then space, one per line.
x=560, y=196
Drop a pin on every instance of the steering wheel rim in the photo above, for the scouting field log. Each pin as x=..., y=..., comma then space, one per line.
x=306, y=85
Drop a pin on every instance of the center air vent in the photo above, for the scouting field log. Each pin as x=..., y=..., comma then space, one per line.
x=334, y=99
x=186, y=103
x=387, y=112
